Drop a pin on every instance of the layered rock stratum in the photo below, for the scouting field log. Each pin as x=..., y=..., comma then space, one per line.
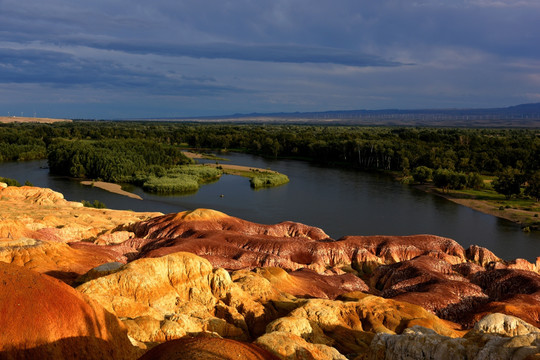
x=95, y=283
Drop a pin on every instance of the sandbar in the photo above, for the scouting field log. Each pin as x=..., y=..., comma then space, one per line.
x=193, y=155
x=240, y=168
x=114, y=188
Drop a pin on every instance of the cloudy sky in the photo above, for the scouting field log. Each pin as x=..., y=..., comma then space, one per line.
x=165, y=58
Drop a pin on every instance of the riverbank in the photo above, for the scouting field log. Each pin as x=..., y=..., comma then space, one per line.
x=527, y=219
x=114, y=188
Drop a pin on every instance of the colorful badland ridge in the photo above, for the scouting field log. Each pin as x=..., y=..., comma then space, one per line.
x=97, y=283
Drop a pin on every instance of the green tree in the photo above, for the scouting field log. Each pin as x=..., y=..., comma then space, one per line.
x=422, y=174
x=475, y=181
x=533, y=186
x=442, y=178
x=508, y=182
x=458, y=180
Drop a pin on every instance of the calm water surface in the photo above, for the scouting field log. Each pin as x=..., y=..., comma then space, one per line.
x=341, y=202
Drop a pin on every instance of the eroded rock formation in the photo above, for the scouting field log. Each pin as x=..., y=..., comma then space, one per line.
x=216, y=284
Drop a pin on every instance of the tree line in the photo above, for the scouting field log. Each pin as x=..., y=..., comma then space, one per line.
x=456, y=156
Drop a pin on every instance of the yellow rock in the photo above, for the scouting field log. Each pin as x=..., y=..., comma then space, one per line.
x=176, y=286
x=200, y=214
x=292, y=347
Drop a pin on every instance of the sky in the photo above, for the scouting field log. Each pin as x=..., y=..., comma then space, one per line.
x=111, y=59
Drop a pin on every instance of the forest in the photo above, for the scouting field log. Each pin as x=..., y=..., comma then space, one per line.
x=120, y=151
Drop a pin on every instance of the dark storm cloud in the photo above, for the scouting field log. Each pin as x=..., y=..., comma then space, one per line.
x=255, y=52
x=59, y=69
x=280, y=55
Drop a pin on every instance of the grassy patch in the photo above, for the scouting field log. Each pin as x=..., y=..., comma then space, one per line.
x=181, y=179
x=268, y=179
x=485, y=194
x=171, y=185
x=496, y=198
x=200, y=172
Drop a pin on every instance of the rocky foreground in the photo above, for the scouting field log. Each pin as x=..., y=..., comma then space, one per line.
x=102, y=284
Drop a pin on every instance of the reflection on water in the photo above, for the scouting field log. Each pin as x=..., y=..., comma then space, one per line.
x=341, y=202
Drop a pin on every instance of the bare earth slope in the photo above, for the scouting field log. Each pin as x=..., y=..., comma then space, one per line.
x=22, y=119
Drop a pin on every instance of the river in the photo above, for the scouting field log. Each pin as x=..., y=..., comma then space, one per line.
x=340, y=201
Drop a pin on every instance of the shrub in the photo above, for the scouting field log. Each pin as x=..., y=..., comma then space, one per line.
x=10, y=182
x=96, y=204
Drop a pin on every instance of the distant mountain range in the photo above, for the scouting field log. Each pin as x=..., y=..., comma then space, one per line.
x=524, y=115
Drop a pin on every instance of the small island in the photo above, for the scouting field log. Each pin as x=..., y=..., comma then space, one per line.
x=155, y=167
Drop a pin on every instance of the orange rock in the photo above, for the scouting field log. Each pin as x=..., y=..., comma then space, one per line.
x=44, y=214
x=43, y=318
x=308, y=283
x=525, y=307
x=207, y=349
x=481, y=255
x=33, y=195
x=58, y=260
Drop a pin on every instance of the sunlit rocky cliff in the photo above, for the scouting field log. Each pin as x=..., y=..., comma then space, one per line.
x=89, y=283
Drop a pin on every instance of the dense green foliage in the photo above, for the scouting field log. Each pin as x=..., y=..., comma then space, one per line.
x=21, y=142
x=449, y=179
x=110, y=160
x=466, y=150
x=120, y=151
